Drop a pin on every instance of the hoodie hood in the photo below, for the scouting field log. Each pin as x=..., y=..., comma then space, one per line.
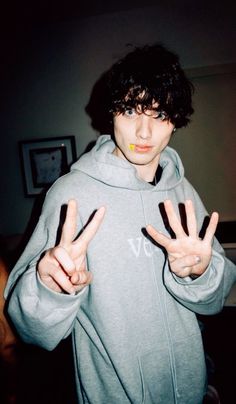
x=105, y=167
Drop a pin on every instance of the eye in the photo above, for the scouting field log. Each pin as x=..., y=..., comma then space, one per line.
x=130, y=112
x=161, y=115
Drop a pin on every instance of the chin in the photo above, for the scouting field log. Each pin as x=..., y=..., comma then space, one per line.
x=140, y=161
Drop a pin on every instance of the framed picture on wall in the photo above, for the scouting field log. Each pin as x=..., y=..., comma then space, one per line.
x=45, y=160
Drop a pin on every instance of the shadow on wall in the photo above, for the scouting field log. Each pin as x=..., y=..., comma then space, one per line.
x=97, y=107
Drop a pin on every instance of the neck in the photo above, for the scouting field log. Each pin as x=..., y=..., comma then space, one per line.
x=147, y=172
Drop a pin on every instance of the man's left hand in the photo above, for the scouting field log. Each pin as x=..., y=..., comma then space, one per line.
x=187, y=254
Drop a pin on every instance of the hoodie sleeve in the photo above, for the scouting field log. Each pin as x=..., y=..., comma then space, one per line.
x=207, y=293
x=40, y=315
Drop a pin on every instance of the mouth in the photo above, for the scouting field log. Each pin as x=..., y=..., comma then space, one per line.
x=139, y=148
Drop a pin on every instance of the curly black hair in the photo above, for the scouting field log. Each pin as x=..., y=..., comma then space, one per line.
x=148, y=75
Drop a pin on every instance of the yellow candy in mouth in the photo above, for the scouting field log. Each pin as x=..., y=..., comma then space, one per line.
x=131, y=146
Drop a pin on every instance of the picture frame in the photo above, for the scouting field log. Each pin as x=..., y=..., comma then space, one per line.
x=44, y=160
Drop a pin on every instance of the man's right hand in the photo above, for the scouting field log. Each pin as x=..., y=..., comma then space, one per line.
x=63, y=268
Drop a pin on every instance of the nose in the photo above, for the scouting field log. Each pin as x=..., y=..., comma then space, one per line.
x=144, y=127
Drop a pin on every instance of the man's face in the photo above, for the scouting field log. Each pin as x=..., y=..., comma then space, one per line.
x=141, y=137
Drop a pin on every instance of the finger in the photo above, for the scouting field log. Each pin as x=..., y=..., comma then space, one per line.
x=59, y=277
x=92, y=227
x=160, y=238
x=81, y=263
x=211, y=228
x=63, y=281
x=174, y=221
x=44, y=275
x=81, y=278
x=50, y=283
x=63, y=259
x=191, y=218
x=179, y=265
x=182, y=273
x=70, y=225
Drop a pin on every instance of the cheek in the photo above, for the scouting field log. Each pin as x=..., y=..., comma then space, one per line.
x=167, y=138
x=122, y=131
x=164, y=133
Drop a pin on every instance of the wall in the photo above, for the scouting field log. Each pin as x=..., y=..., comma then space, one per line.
x=208, y=145
x=52, y=81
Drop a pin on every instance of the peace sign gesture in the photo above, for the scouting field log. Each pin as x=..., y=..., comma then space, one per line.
x=187, y=253
x=63, y=268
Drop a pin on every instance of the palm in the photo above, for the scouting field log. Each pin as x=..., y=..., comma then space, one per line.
x=63, y=268
x=187, y=253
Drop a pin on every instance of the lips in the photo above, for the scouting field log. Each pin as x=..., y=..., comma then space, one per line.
x=142, y=148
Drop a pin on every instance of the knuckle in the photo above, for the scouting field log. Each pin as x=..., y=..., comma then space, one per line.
x=59, y=252
x=58, y=249
x=83, y=277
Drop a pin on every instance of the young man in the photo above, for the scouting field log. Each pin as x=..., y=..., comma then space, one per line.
x=115, y=276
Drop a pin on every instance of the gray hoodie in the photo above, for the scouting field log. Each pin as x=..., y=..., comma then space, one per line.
x=135, y=334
